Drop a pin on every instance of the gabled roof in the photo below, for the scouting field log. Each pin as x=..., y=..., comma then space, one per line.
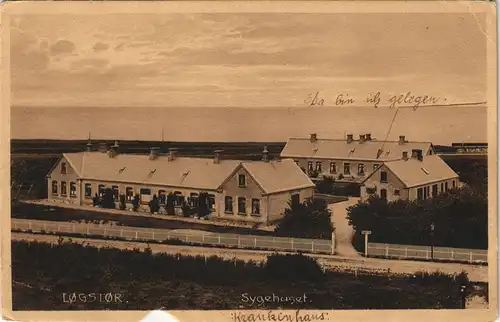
x=413, y=172
x=184, y=172
x=340, y=149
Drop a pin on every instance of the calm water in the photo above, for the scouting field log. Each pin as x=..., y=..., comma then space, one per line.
x=441, y=125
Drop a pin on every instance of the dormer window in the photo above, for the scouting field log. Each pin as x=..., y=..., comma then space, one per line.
x=63, y=168
x=241, y=180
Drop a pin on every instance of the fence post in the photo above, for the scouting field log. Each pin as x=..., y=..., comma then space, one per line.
x=470, y=257
x=186, y=238
x=121, y=232
x=406, y=252
x=451, y=254
x=29, y=225
x=386, y=251
x=291, y=243
x=219, y=239
x=255, y=242
x=45, y=227
x=239, y=242
x=168, y=236
x=426, y=254
x=136, y=234
x=74, y=227
x=153, y=235
x=203, y=237
x=104, y=233
x=312, y=246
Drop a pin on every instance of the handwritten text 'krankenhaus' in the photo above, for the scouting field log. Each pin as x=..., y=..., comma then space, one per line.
x=279, y=316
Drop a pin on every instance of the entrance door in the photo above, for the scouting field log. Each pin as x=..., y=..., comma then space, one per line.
x=295, y=199
x=383, y=194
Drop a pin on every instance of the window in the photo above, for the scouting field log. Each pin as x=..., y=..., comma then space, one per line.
x=228, y=204
x=255, y=206
x=54, y=187
x=211, y=202
x=242, y=206
x=162, y=197
x=383, y=176
x=309, y=166
x=319, y=166
x=442, y=187
x=101, y=189
x=116, y=192
x=375, y=166
x=361, y=169
x=63, y=188
x=396, y=192
x=434, y=190
x=241, y=180
x=129, y=193
x=64, y=168
x=194, y=201
x=333, y=167
x=347, y=168
x=426, y=192
x=446, y=186
x=383, y=194
x=371, y=190
x=454, y=184
x=88, y=190
x=72, y=189
x=145, y=195
x=420, y=194
x=179, y=199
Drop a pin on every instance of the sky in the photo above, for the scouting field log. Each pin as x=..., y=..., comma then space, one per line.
x=243, y=60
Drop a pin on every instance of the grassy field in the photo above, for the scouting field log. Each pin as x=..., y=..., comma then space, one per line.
x=43, y=273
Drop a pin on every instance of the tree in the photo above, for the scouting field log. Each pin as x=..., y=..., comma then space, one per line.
x=135, y=202
x=187, y=211
x=123, y=204
x=325, y=185
x=203, y=208
x=170, y=206
x=108, y=199
x=154, y=205
x=96, y=201
x=310, y=219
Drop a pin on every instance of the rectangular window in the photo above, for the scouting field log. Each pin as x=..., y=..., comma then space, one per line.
x=442, y=187
x=101, y=189
x=88, y=190
x=145, y=195
x=347, y=168
x=162, y=197
x=116, y=192
x=179, y=198
x=420, y=194
x=241, y=180
x=426, y=192
x=129, y=192
x=255, y=206
x=383, y=176
x=309, y=166
x=242, y=206
x=54, y=187
x=319, y=166
x=194, y=201
x=228, y=204
x=361, y=169
x=333, y=167
x=63, y=188
x=434, y=190
x=63, y=168
x=396, y=192
x=72, y=190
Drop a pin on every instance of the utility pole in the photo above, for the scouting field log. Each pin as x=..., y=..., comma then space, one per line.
x=432, y=240
x=366, y=233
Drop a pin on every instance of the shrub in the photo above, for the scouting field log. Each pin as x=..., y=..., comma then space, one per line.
x=293, y=267
x=203, y=208
x=170, y=208
x=325, y=185
x=123, y=204
x=154, y=205
x=108, y=199
x=135, y=202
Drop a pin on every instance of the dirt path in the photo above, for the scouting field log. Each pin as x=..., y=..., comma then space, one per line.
x=343, y=231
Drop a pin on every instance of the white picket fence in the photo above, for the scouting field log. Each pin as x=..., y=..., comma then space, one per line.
x=196, y=237
x=427, y=252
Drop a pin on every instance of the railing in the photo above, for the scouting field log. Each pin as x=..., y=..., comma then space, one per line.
x=428, y=252
x=197, y=237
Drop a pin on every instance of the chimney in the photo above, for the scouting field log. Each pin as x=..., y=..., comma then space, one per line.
x=314, y=137
x=217, y=156
x=361, y=138
x=113, y=150
x=265, y=155
x=402, y=139
x=172, y=153
x=103, y=147
x=368, y=136
x=405, y=155
x=349, y=138
x=416, y=154
x=154, y=153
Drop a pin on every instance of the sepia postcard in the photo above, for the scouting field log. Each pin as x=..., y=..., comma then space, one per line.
x=249, y=161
